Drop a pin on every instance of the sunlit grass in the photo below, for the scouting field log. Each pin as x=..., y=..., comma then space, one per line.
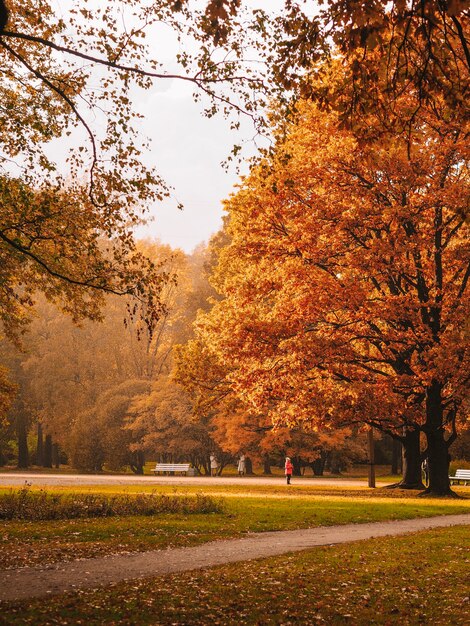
x=415, y=579
x=26, y=504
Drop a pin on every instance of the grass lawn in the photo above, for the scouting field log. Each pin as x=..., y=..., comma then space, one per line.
x=417, y=579
x=261, y=508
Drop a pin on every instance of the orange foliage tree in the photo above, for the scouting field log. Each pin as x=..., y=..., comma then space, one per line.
x=237, y=427
x=345, y=283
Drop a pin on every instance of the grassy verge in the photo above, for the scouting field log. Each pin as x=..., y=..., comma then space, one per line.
x=27, y=504
x=417, y=579
x=260, y=509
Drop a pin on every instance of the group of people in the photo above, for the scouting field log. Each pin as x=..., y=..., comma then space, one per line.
x=241, y=467
x=288, y=467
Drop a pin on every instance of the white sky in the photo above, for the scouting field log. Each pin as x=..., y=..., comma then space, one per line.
x=188, y=150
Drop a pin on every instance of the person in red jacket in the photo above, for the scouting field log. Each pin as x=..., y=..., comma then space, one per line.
x=288, y=468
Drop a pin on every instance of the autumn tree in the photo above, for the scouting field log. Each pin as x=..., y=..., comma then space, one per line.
x=163, y=421
x=345, y=283
x=164, y=426
x=72, y=371
x=391, y=48
x=233, y=423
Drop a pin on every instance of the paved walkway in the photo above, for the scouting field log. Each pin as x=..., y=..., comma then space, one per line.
x=15, y=479
x=90, y=573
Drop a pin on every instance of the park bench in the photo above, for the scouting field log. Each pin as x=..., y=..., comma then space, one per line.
x=461, y=474
x=171, y=467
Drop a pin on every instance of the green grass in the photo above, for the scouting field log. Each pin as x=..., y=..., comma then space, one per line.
x=259, y=509
x=415, y=579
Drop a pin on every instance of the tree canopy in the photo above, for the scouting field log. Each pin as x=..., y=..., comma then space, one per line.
x=345, y=282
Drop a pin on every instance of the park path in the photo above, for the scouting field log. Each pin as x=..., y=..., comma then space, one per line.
x=18, y=479
x=91, y=573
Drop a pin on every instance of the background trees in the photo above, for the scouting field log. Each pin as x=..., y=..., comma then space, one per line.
x=102, y=392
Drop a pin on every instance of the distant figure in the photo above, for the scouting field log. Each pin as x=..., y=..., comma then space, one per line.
x=241, y=465
x=288, y=468
x=214, y=465
x=425, y=470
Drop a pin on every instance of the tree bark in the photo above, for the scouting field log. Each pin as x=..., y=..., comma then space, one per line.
x=48, y=451
x=267, y=466
x=438, y=447
x=40, y=447
x=137, y=462
x=412, y=478
x=396, y=457
x=55, y=455
x=23, y=453
x=248, y=466
x=297, y=471
x=371, y=446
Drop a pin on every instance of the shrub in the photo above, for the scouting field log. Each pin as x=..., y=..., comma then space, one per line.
x=458, y=464
x=24, y=504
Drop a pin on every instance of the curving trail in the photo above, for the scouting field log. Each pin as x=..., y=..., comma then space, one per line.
x=91, y=573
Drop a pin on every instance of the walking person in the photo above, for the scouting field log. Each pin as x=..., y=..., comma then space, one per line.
x=425, y=470
x=214, y=465
x=288, y=469
x=241, y=465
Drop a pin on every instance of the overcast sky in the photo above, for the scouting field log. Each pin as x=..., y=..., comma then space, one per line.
x=187, y=150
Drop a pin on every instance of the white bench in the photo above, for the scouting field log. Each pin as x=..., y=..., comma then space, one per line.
x=171, y=467
x=460, y=474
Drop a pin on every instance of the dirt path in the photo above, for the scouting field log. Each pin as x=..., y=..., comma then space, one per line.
x=18, y=479
x=90, y=573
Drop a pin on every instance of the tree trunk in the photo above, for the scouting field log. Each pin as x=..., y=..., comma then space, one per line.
x=22, y=434
x=40, y=447
x=396, y=457
x=48, y=451
x=412, y=478
x=267, y=466
x=438, y=449
x=55, y=455
x=371, y=446
x=296, y=462
x=318, y=465
x=137, y=462
x=248, y=466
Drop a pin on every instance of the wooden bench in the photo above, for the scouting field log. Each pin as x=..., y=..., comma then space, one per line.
x=460, y=474
x=171, y=467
